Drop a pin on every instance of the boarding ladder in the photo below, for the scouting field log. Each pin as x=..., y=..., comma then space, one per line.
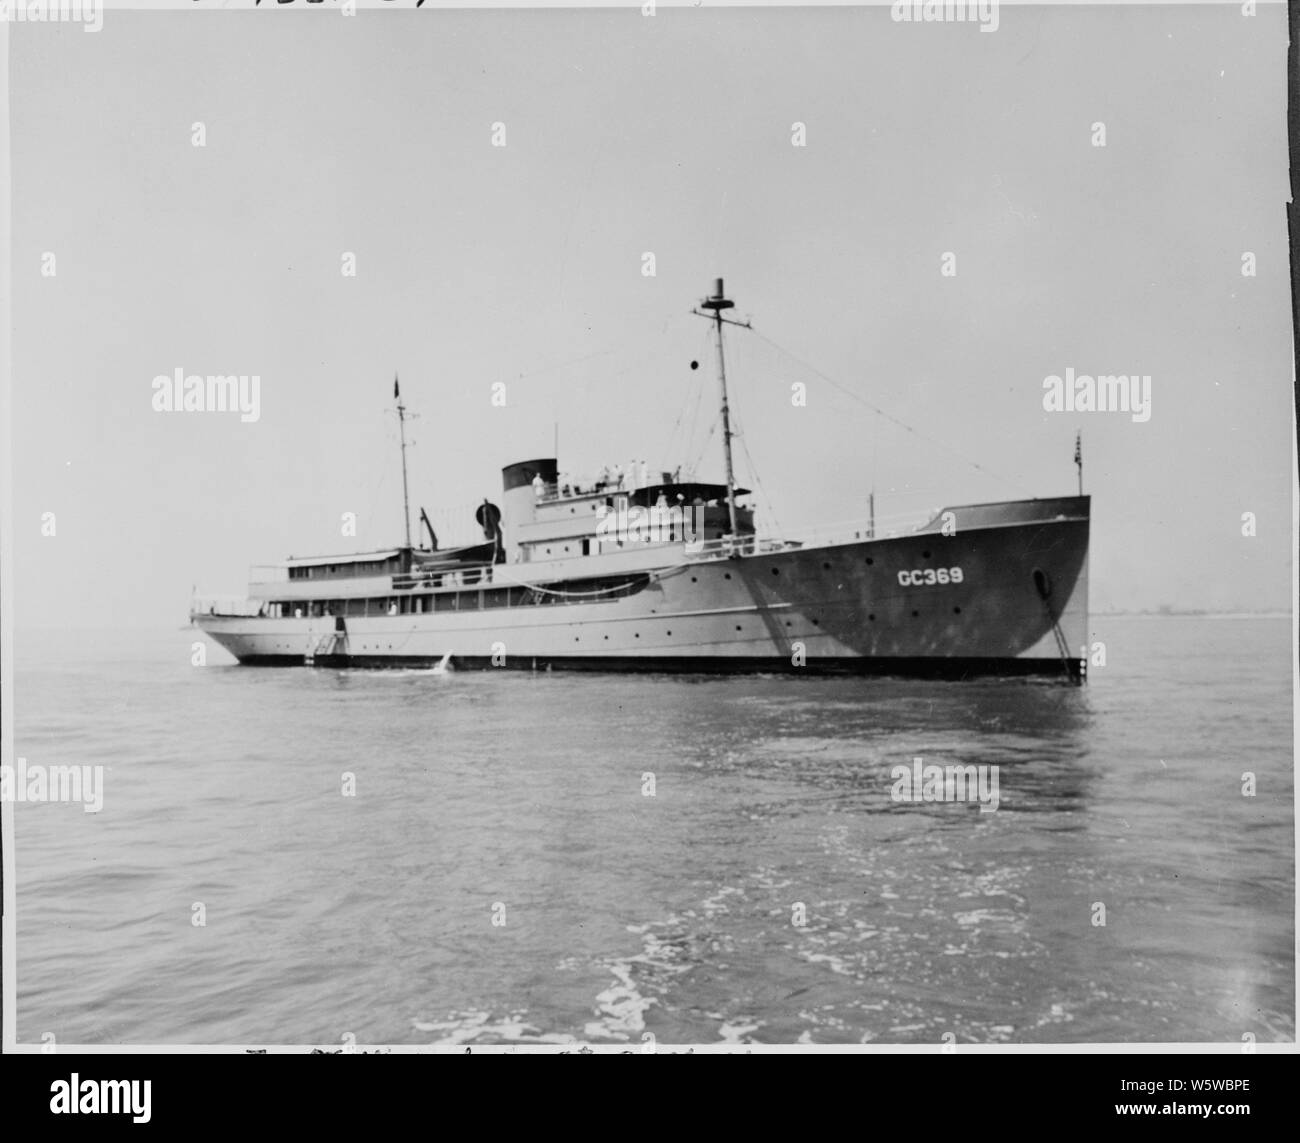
x=326, y=644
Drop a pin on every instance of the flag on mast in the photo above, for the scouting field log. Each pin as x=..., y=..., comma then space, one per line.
x=397, y=393
x=1078, y=447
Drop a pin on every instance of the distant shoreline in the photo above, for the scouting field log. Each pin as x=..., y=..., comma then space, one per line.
x=1198, y=614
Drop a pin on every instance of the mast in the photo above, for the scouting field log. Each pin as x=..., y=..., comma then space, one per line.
x=401, y=428
x=717, y=303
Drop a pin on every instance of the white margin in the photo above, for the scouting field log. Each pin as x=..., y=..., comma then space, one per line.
x=8, y=955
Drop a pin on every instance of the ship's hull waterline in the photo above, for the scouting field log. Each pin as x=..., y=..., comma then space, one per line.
x=1002, y=591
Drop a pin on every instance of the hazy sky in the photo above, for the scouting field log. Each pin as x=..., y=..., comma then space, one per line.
x=522, y=264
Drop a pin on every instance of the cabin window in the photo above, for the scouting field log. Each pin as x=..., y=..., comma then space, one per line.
x=445, y=602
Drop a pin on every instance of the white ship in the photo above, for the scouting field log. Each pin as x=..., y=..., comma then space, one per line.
x=670, y=575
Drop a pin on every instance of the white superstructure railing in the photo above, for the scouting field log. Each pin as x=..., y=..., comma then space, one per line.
x=237, y=605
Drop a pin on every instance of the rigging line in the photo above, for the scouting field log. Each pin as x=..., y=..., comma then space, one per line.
x=888, y=416
x=694, y=428
x=564, y=364
x=388, y=440
x=699, y=394
x=695, y=468
x=689, y=442
x=753, y=471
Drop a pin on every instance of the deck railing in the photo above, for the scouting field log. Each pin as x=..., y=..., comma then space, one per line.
x=236, y=605
x=470, y=575
x=884, y=528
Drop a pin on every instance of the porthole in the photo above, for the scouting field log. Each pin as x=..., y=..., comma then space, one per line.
x=776, y=571
x=925, y=555
x=870, y=561
x=956, y=610
x=916, y=614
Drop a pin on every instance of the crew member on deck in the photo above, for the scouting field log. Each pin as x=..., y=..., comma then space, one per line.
x=539, y=486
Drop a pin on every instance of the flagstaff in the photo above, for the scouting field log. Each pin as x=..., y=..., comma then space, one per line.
x=401, y=428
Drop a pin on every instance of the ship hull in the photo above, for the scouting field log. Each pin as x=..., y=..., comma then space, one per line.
x=987, y=590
